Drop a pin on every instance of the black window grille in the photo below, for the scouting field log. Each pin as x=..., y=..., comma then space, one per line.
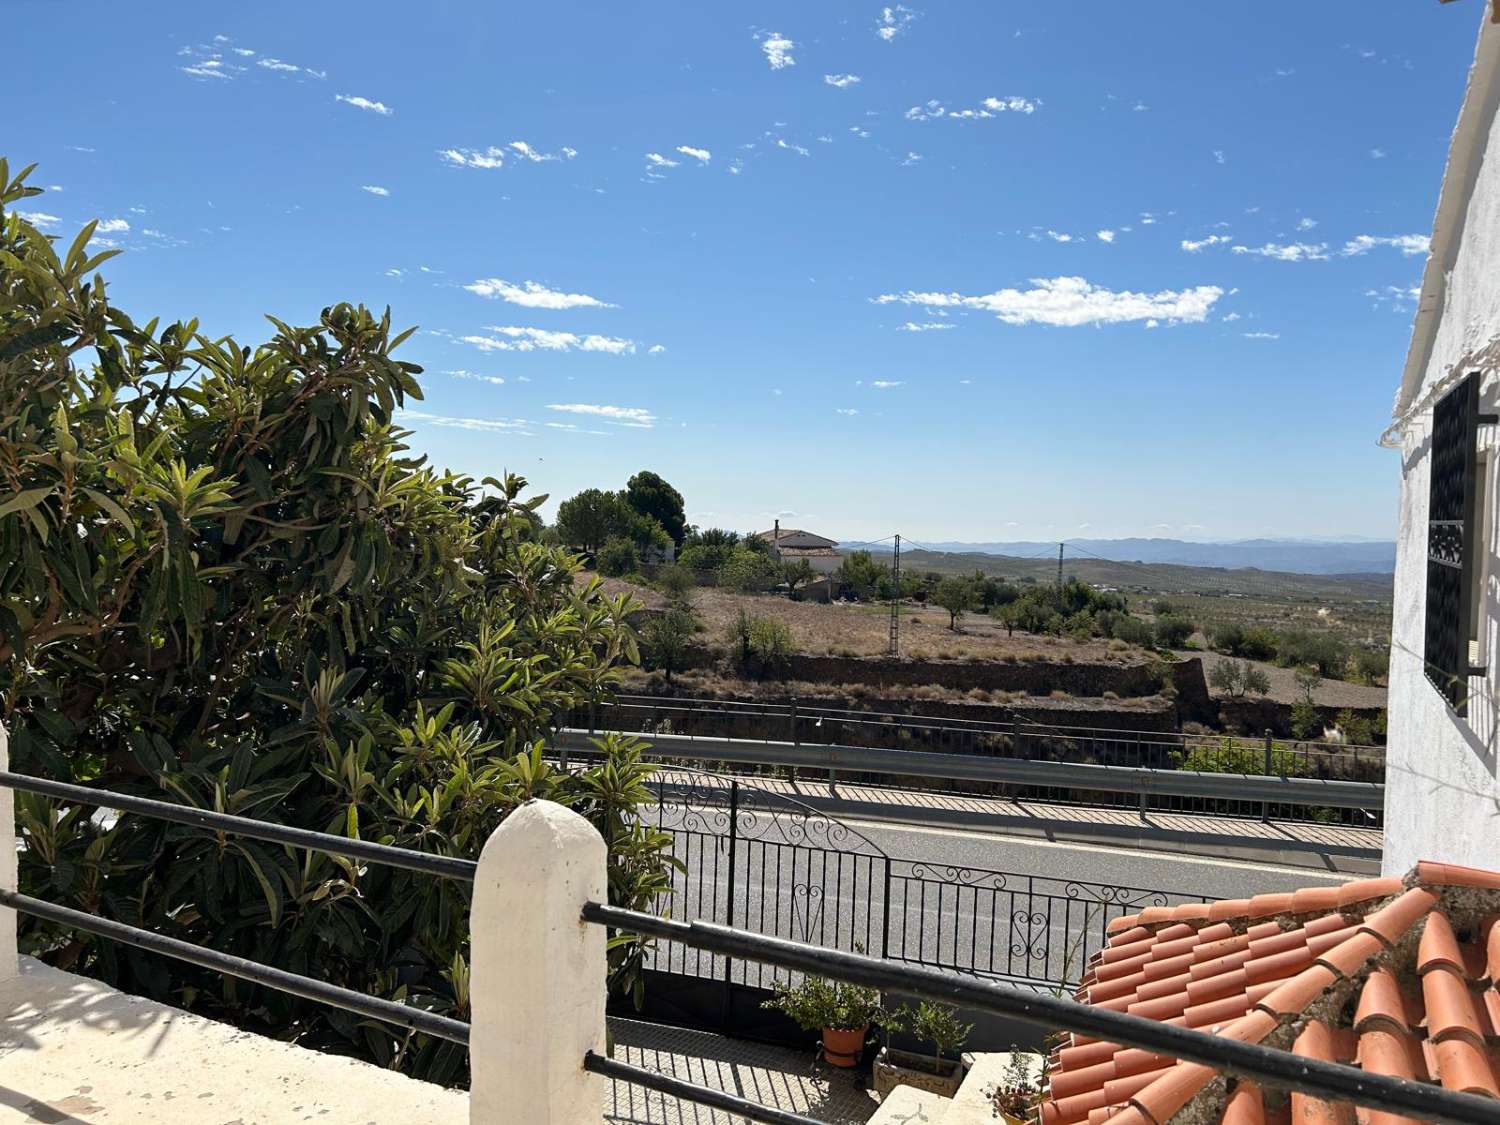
x=1451, y=541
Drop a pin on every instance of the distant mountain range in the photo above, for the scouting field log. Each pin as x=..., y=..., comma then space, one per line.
x=1295, y=556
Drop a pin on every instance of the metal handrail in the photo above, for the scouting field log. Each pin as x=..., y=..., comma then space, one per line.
x=447, y=867
x=1266, y=1065
x=1138, y=780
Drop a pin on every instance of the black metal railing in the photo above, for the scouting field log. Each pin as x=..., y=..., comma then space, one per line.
x=309, y=988
x=1268, y=1065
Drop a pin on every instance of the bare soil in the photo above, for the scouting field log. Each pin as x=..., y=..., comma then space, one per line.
x=1284, y=689
x=863, y=629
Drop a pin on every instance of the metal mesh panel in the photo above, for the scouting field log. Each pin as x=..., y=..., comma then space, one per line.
x=1450, y=541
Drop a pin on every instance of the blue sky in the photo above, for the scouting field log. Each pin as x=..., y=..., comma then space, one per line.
x=963, y=270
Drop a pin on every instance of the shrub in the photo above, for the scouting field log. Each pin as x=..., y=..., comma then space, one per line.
x=816, y=1003
x=1325, y=653
x=1306, y=721
x=939, y=1025
x=618, y=558
x=1173, y=632
x=242, y=591
x=666, y=638
x=747, y=571
x=677, y=582
x=1237, y=679
x=704, y=558
x=771, y=645
x=1133, y=631
x=1372, y=665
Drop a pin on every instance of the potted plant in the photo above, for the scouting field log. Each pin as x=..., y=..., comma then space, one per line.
x=941, y=1071
x=1018, y=1094
x=843, y=1013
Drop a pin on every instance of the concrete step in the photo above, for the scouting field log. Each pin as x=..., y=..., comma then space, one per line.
x=907, y=1105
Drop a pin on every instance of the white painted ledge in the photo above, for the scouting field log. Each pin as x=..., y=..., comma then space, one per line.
x=75, y=1051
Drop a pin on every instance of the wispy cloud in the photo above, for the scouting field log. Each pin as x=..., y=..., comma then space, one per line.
x=990, y=107
x=778, y=50
x=533, y=295
x=1070, y=302
x=798, y=149
x=1409, y=244
x=277, y=65
x=925, y=326
x=491, y=157
x=495, y=156
x=1192, y=246
x=1400, y=298
x=474, y=376
x=842, y=81
x=894, y=21
x=1306, y=224
x=510, y=338
x=365, y=104
x=657, y=160
x=846, y=411
x=112, y=226
x=700, y=154
x=1262, y=335
x=1287, y=251
x=39, y=219
x=1105, y=235
x=635, y=417
x=494, y=425
x=1219, y=157
x=1377, y=154
x=886, y=384
x=376, y=189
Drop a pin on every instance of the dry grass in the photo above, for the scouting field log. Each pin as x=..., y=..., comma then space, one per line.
x=854, y=629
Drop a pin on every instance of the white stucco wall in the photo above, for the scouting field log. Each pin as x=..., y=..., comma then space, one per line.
x=1442, y=781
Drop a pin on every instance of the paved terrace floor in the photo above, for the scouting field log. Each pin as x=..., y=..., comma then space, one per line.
x=77, y=1052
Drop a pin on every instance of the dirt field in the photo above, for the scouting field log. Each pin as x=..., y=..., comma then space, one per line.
x=1330, y=693
x=858, y=629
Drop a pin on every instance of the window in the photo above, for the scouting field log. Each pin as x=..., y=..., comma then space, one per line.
x=1454, y=568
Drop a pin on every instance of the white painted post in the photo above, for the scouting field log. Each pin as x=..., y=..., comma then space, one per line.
x=9, y=966
x=538, y=984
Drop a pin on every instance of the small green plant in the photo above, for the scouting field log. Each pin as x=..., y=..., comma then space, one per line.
x=771, y=644
x=939, y=1025
x=1306, y=722
x=618, y=558
x=816, y=1003
x=1018, y=1093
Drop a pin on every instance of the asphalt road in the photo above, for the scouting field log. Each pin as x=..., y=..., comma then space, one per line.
x=1012, y=908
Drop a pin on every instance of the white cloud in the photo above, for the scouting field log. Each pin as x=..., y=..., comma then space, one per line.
x=244, y=52
x=1070, y=302
x=1058, y=236
x=925, y=326
x=1306, y=224
x=847, y=411
x=394, y=272
x=634, y=416
x=364, y=103
x=39, y=218
x=506, y=425
x=1377, y=154
x=1262, y=335
x=491, y=157
x=1288, y=251
x=1105, y=235
x=798, y=149
x=778, y=50
x=474, y=376
x=990, y=107
x=1409, y=244
x=696, y=153
x=210, y=68
x=1192, y=246
x=533, y=295
x=657, y=160
x=656, y=349
x=376, y=189
x=912, y=158
x=894, y=21
x=277, y=65
x=1219, y=156
x=842, y=81
x=1230, y=318
x=510, y=338
x=886, y=384
x=1400, y=298
x=112, y=226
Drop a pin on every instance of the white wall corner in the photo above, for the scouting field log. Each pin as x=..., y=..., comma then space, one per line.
x=539, y=974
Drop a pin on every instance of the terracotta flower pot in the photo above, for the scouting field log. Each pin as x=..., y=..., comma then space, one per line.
x=843, y=1046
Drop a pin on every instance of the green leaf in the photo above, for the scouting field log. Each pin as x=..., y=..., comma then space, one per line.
x=114, y=509
x=23, y=501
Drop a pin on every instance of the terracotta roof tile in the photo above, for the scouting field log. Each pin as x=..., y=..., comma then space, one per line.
x=1410, y=966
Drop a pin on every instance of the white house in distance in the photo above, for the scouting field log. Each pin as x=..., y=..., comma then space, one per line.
x=1442, y=782
x=791, y=544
